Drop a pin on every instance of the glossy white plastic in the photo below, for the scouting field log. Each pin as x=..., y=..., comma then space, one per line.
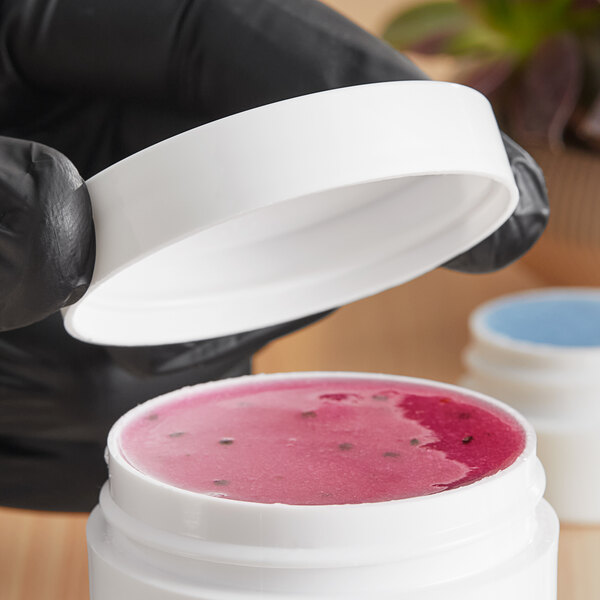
x=290, y=209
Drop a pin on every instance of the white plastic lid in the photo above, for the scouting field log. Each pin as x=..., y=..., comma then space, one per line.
x=290, y=209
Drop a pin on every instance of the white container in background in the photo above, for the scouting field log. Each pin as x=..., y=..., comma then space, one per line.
x=554, y=383
x=495, y=539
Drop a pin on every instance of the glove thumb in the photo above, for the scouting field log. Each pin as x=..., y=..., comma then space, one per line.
x=47, y=243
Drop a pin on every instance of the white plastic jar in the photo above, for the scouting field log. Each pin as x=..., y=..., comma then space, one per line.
x=495, y=538
x=539, y=351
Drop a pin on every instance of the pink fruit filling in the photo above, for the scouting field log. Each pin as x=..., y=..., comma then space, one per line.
x=321, y=440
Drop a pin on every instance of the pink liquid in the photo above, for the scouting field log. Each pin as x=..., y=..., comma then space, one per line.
x=322, y=441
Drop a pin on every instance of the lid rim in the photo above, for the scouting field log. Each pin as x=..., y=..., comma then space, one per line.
x=249, y=166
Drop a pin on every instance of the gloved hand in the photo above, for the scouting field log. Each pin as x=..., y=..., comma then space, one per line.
x=95, y=81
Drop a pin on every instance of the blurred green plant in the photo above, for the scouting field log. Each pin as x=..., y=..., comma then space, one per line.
x=538, y=61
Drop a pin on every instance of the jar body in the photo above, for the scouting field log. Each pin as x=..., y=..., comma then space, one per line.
x=122, y=570
x=495, y=539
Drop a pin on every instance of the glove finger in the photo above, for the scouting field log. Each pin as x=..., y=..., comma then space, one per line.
x=522, y=229
x=47, y=248
x=211, y=57
x=212, y=356
x=276, y=49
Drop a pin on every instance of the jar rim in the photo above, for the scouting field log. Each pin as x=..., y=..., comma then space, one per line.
x=482, y=332
x=241, y=523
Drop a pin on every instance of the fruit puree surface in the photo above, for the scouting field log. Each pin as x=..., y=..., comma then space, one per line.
x=321, y=441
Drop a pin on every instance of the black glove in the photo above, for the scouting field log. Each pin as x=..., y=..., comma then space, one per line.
x=95, y=81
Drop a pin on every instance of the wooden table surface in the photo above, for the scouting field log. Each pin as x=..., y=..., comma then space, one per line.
x=417, y=329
